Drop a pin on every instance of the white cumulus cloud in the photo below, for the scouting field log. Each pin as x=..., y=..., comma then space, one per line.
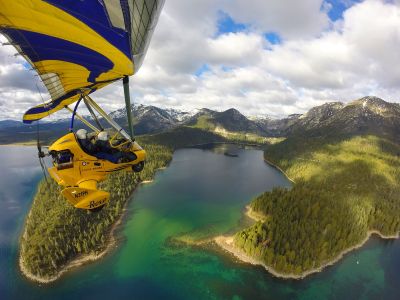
x=191, y=64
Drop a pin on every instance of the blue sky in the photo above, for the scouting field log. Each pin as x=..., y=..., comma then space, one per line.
x=338, y=7
x=226, y=24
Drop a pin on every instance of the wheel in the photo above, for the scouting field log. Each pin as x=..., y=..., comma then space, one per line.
x=138, y=167
x=97, y=209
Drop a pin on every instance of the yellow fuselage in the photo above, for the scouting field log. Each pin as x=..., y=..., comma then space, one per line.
x=81, y=174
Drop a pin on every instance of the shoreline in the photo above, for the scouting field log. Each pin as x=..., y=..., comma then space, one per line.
x=279, y=169
x=226, y=243
x=25, y=144
x=227, y=142
x=254, y=215
x=82, y=259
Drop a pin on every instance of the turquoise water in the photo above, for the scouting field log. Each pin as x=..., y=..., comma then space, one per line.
x=201, y=194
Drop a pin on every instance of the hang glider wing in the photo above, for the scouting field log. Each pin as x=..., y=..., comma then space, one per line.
x=78, y=46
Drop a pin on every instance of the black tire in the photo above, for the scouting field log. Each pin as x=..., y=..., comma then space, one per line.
x=138, y=167
x=97, y=209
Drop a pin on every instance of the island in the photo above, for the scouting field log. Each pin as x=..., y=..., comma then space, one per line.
x=230, y=154
x=58, y=237
x=344, y=190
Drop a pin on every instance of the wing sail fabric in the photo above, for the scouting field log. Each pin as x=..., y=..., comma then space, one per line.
x=78, y=46
x=143, y=17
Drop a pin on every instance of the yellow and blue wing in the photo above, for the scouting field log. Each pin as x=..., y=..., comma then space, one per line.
x=78, y=46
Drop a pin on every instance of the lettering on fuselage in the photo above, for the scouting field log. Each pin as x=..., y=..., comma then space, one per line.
x=94, y=204
x=81, y=194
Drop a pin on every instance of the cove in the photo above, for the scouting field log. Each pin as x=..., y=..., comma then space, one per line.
x=201, y=194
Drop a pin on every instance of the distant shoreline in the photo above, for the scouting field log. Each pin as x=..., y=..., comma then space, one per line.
x=279, y=169
x=227, y=244
x=83, y=258
x=19, y=144
x=226, y=142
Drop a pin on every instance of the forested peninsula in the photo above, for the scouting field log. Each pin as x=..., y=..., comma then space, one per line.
x=58, y=236
x=344, y=190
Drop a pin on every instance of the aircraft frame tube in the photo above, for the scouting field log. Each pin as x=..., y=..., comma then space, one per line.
x=93, y=114
x=107, y=118
x=94, y=128
x=128, y=104
x=71, y=126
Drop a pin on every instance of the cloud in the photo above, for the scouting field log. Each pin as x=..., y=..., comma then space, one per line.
x=362, y=49
x=191, y=63
x=235, y=49
x=336, y=61
x=18, y=84
x=291, y=19
x=16, y=76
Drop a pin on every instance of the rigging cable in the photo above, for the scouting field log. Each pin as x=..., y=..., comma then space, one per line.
x=41, y=154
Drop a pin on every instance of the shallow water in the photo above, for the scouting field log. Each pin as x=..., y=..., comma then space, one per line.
x=201, y=194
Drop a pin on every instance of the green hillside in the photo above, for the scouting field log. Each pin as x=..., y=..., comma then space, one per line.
x=204, y=122
x=343, y=189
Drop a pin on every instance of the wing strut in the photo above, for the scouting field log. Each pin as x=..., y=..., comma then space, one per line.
x=92, y=113
x=128, y=105
x=110, y=121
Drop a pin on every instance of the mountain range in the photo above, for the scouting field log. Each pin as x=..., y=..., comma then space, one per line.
x=368, y=115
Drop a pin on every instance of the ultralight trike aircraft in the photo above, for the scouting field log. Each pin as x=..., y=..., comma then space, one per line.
x=79, y=171
x=78, y=47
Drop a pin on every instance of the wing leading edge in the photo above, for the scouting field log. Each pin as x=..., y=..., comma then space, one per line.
x=78, y=46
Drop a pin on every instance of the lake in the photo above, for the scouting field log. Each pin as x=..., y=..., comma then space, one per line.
x=201, y=194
